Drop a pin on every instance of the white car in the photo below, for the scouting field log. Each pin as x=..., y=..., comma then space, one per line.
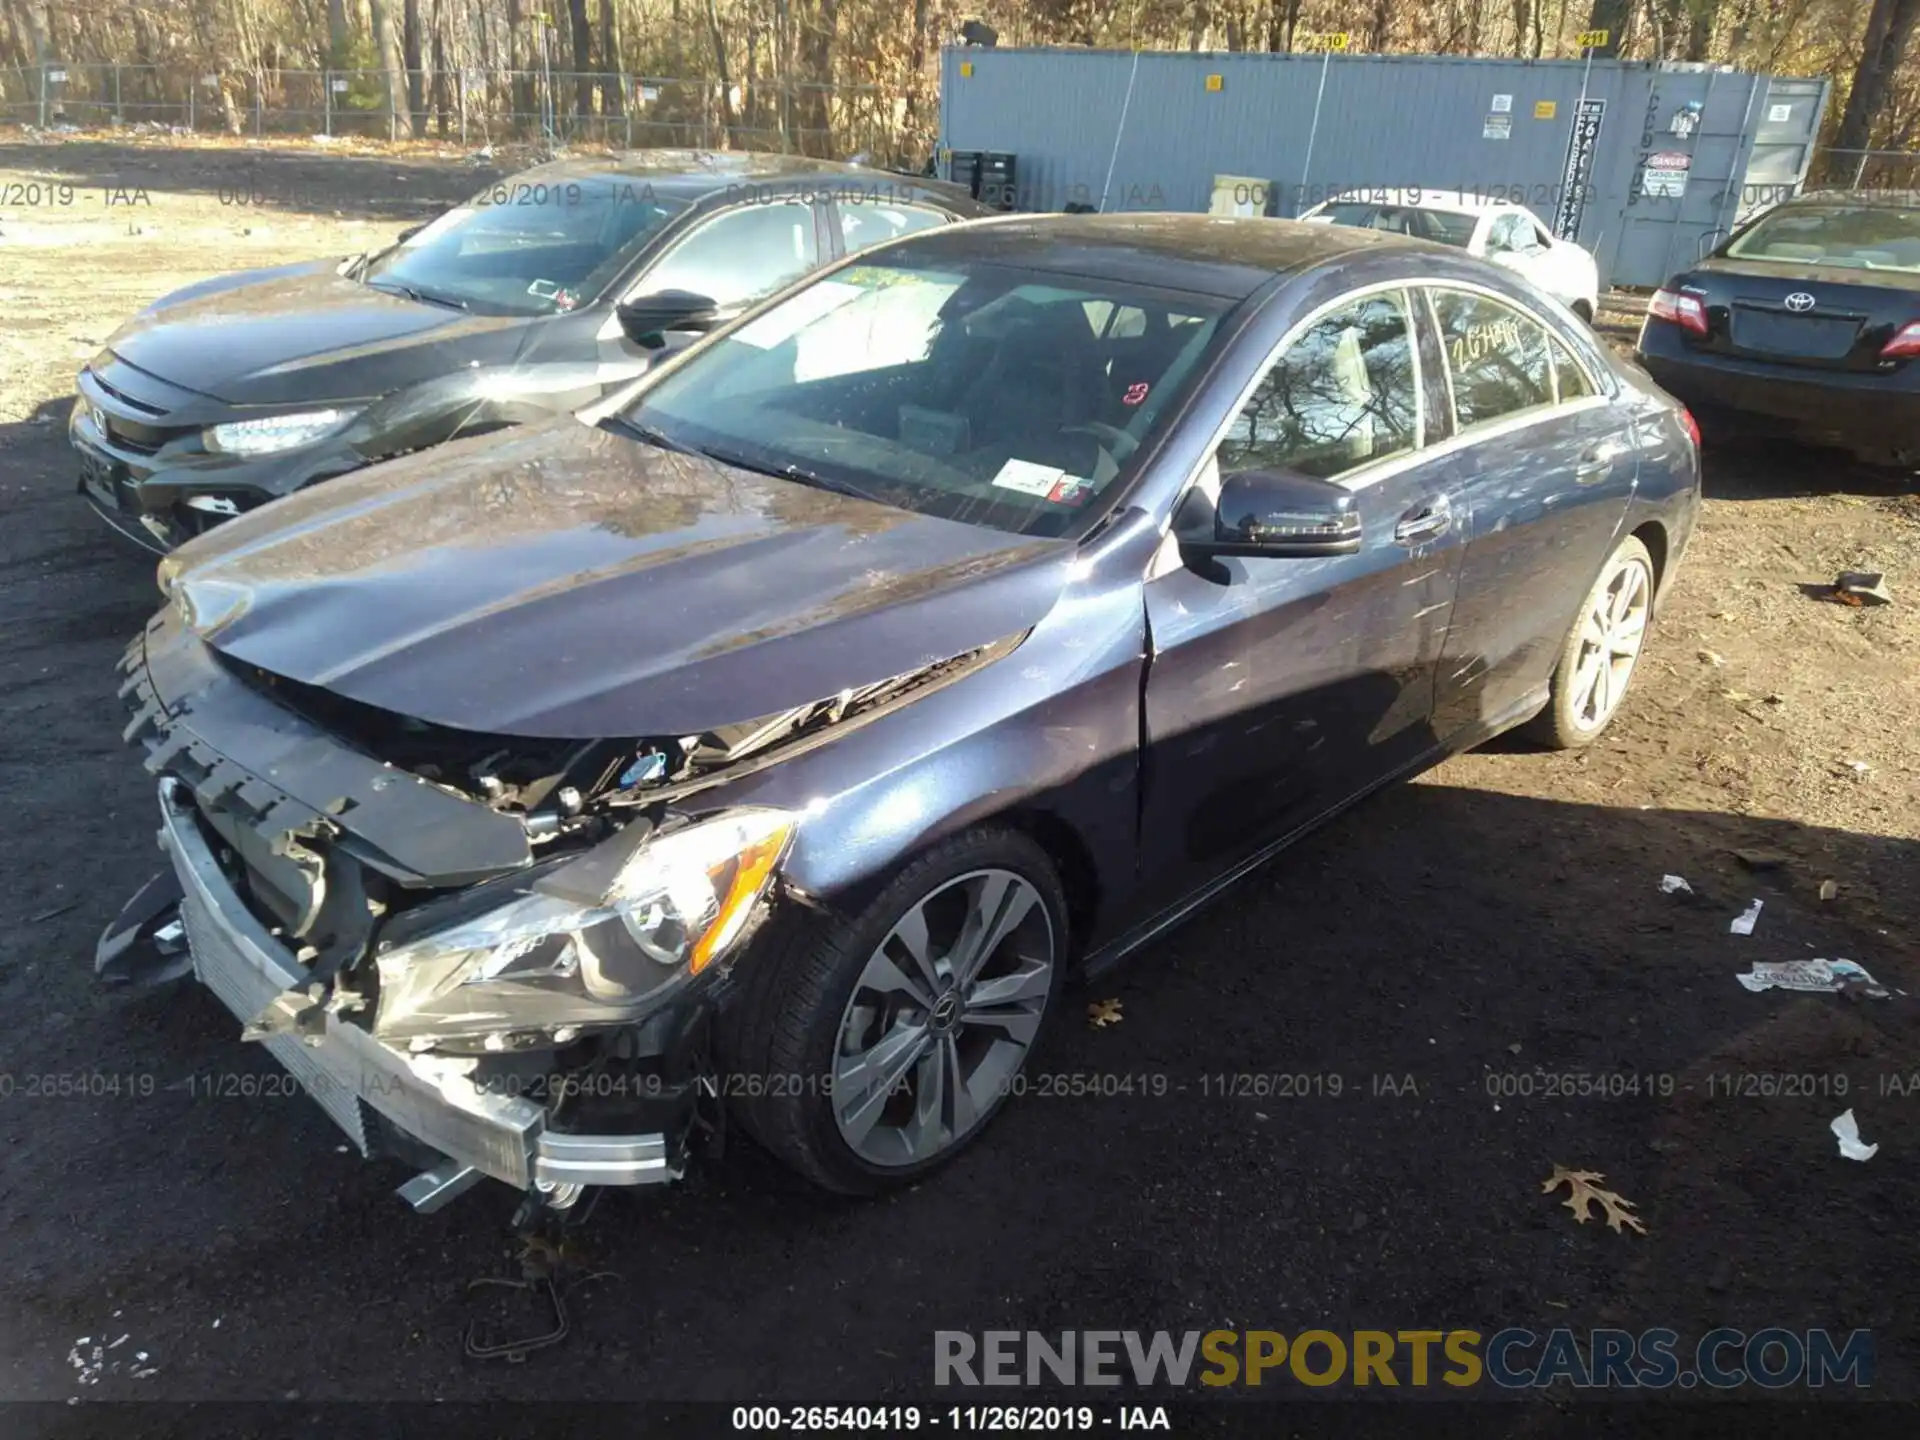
x=1508, y=235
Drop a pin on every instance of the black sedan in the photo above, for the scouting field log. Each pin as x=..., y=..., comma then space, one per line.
x=535, y=297
x=949, y=626
x=1805, y=324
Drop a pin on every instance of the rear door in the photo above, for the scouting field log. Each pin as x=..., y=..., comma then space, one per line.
x=1546, y=463
x=1279, y=688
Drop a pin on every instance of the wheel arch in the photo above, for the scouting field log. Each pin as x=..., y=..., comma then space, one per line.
x=1072, y=858
x=1653, y=535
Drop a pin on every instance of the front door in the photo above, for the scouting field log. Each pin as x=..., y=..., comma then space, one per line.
x=1277, y=688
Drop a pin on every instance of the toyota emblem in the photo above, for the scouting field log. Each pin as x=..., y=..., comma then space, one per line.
x=1799, y=301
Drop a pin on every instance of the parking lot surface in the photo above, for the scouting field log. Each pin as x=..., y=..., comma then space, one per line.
x=1466, y=982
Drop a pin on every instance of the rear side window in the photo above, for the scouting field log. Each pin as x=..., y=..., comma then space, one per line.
x=1345, y=394
x=1497, y=358
x=1449, y=227
x=867, y=224
x=1569, y=380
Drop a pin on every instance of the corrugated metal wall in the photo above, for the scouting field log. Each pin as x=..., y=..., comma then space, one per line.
x=1150, y=131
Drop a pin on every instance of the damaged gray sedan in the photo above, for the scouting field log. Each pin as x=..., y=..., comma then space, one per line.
x=776, y=746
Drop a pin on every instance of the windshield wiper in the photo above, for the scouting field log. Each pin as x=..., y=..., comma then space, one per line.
x=424, y=297
x=649, y=435
x=797, y=473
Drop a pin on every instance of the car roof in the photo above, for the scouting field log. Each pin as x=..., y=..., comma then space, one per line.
x=1416, y=197
x=1225, y=256
x=694, y=175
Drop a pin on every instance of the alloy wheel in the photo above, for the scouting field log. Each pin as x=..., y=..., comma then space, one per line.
x=942, y=1017
x=1610, y=639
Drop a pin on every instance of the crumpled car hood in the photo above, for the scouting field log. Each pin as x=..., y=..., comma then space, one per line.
x=566, y=582
x=301, y=332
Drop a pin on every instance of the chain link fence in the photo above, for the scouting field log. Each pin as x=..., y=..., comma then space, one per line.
x=475, y=107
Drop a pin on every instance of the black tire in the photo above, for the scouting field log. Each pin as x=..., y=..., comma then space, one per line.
x=1559, y=726
x=779, y=1037
x=1583, y=310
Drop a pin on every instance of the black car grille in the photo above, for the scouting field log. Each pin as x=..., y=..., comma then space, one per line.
x=130, y=424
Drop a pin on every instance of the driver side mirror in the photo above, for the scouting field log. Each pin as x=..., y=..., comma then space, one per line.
x=647, y=319
x=1277, y=514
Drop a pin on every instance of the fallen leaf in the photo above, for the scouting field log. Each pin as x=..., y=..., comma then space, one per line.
x=1102, y=1013
x=1828, y=889
x=1582, y=1191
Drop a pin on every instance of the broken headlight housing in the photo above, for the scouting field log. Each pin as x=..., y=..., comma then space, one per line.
x=603, y=938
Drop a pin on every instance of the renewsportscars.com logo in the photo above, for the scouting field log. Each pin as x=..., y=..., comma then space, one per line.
x=1511, y=1359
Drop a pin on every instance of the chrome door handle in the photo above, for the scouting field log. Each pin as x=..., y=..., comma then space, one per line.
x=1428, y=522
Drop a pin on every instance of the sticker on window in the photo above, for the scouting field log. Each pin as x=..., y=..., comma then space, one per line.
x=1070, y=490
x=784, y=321
x=1136, y=392
x=1029, y=478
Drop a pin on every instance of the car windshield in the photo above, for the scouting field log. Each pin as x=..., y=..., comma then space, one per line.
x=1001, y=397
x=1865, y=237
x=526, y=246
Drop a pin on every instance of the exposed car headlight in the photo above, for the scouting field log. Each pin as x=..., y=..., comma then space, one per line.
x=278, y=432
x=601, y=939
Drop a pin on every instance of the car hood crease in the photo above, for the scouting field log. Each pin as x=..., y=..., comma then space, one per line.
x=571, y=583
x=304, y=333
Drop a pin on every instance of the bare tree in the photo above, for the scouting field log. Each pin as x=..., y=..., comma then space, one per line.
x=386, y=42
x=1889, y=27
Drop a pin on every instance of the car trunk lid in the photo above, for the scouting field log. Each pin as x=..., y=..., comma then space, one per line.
x=1811, y=316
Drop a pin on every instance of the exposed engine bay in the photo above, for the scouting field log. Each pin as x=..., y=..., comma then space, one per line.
x=554, y=786
x=516, y=926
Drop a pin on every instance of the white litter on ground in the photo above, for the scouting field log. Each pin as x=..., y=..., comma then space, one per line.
x=1744, y=922
x=1847, y=1130
x=91, y=1361
x=1815, y=977
x=1674, y=884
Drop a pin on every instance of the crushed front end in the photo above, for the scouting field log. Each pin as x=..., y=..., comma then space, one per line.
x=473, y=964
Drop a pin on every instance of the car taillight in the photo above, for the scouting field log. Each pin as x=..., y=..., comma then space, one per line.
x=1905, y=341
x=1692, y=426
x=1689, y=312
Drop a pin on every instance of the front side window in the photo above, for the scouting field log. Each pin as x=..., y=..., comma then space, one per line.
x=1497, y=358
x=1507, y=235
x=741, y=255
x=865, y=224
x=967, y=390
x=527, y=246
x=1344, y=394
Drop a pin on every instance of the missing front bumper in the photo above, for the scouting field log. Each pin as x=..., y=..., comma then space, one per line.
x=432, y=1101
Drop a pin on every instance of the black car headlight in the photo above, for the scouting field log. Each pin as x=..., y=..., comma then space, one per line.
x=603, y=939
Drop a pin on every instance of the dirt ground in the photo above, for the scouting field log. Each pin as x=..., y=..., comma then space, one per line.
x=1496, y=924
